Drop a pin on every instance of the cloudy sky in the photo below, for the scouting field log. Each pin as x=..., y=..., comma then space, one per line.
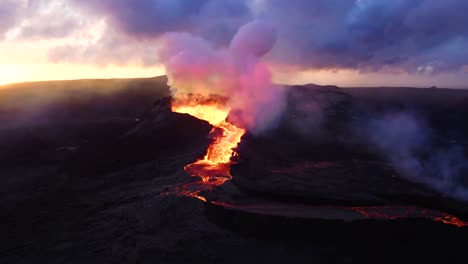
x=344, y=42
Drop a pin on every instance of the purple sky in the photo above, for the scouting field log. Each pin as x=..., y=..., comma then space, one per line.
x=344, y=42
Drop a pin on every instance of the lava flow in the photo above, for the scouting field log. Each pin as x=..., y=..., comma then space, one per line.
x=214, y=167
x=401, y=212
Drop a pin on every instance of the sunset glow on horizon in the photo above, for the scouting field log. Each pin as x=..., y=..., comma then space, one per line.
x=12, y=73
x=331, y=43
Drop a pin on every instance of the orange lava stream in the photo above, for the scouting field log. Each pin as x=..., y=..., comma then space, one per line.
x=452, y=220
x=214, y=167
x=399, y=212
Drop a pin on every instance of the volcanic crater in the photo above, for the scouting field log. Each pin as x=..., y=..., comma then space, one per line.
x=118, y=187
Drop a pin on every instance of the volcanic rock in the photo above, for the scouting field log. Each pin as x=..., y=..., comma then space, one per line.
x=330, y=167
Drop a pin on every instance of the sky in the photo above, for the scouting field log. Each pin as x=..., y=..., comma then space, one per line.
x=418, y=43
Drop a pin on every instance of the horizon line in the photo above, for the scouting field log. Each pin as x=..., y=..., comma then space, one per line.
x=5, y=85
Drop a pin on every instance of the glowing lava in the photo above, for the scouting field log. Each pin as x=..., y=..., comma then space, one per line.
x=214, y=167
x=402, y=212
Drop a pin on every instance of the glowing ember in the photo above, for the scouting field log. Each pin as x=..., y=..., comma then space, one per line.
x=399, y=212
x=451, y=220
x=214, y=167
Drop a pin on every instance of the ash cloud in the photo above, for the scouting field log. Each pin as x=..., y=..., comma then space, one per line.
x=194, y=65
x=411, y=145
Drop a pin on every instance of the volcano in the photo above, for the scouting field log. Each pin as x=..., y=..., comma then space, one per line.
x=310, y=177
x=135, y=175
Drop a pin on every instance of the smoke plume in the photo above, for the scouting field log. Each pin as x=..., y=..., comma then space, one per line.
x=410, y=144
x=193, y=65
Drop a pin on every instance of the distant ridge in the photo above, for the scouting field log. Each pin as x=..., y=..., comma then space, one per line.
x=80, y=81
x=164, y=77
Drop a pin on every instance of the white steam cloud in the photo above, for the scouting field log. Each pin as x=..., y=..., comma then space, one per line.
x=407, y=141
x=193, y=65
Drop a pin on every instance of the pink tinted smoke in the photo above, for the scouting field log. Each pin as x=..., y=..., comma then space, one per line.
x=194, y=66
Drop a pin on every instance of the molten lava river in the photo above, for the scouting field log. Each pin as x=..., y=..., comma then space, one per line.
x=214, y=170
x=214, y=167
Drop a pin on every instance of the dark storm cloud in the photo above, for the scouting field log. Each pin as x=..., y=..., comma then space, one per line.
x=147, y=17
x=418, y=36
x=421, y=35
x=217, y=20
x=132, y=27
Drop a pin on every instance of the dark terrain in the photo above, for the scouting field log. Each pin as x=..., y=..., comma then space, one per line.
x=83, y=164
